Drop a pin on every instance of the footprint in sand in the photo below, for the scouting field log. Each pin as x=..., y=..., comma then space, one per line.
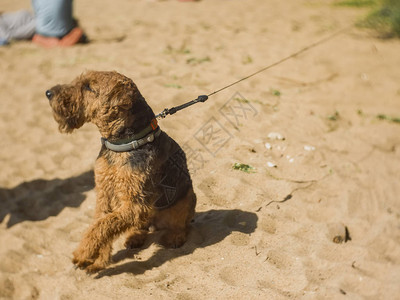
x=229, y=275
x=7, y=288
x=279, y=259
x=268, y=224
x=14, y=262
x=239, y=239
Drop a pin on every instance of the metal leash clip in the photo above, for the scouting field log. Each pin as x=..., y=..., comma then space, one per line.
x=172, y=110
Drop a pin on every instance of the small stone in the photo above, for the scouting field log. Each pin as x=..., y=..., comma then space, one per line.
x=309, y=148
x=338, y=233
x=276, y=136
x=364, y=77
x=338, y=239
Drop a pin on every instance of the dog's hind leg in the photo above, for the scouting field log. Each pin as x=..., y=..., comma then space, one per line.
x=176, y=220
x=136, y=238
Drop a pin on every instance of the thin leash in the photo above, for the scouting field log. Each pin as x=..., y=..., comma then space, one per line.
x=203, y=98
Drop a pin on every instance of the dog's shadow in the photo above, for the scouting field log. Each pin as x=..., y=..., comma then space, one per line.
x=39, y=199
x=208, y=229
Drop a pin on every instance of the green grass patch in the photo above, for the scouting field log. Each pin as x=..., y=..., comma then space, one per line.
x=388, y=118
x=173, y=85
x=275, y=92
x=247, y=60
x=197, y=61
x=244, y=168
x=385, y=18
x=242, y=100
x=181, y=50
x=257, y=101
x=334, y=117
x=356, y=3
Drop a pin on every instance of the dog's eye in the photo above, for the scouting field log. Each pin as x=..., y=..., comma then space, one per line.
x=87, y=87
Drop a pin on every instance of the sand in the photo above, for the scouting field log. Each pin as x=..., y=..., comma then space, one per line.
x=317, y=216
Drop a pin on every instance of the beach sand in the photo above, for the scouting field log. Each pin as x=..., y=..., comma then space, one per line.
x=316, y=217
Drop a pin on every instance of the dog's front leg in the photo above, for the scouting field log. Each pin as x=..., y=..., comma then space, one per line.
x=95, y=246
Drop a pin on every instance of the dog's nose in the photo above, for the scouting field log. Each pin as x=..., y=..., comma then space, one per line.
x=49, y=94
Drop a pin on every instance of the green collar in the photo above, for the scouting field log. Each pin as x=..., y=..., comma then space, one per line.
x=147, y=135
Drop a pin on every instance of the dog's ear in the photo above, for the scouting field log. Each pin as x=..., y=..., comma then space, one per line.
x=122, y=95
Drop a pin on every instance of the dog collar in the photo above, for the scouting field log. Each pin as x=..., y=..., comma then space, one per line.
x=147, y=135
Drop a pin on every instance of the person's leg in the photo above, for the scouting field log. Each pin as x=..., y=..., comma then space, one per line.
x=73, y=37
x=17, y=25
x=44, y=41
x=4, y=34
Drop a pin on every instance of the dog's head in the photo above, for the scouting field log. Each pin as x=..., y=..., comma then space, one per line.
x=108, y=99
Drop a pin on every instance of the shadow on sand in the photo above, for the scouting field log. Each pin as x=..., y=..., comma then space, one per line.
x=208, y=228
x=39, y=199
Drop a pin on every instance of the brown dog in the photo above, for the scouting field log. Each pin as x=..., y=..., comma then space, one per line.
x=141, y=173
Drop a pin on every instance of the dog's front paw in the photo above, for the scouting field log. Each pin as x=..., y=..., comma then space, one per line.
x=95, y=267
x=81, y=260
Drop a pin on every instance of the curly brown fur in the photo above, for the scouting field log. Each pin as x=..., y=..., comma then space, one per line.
x=129, y=185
